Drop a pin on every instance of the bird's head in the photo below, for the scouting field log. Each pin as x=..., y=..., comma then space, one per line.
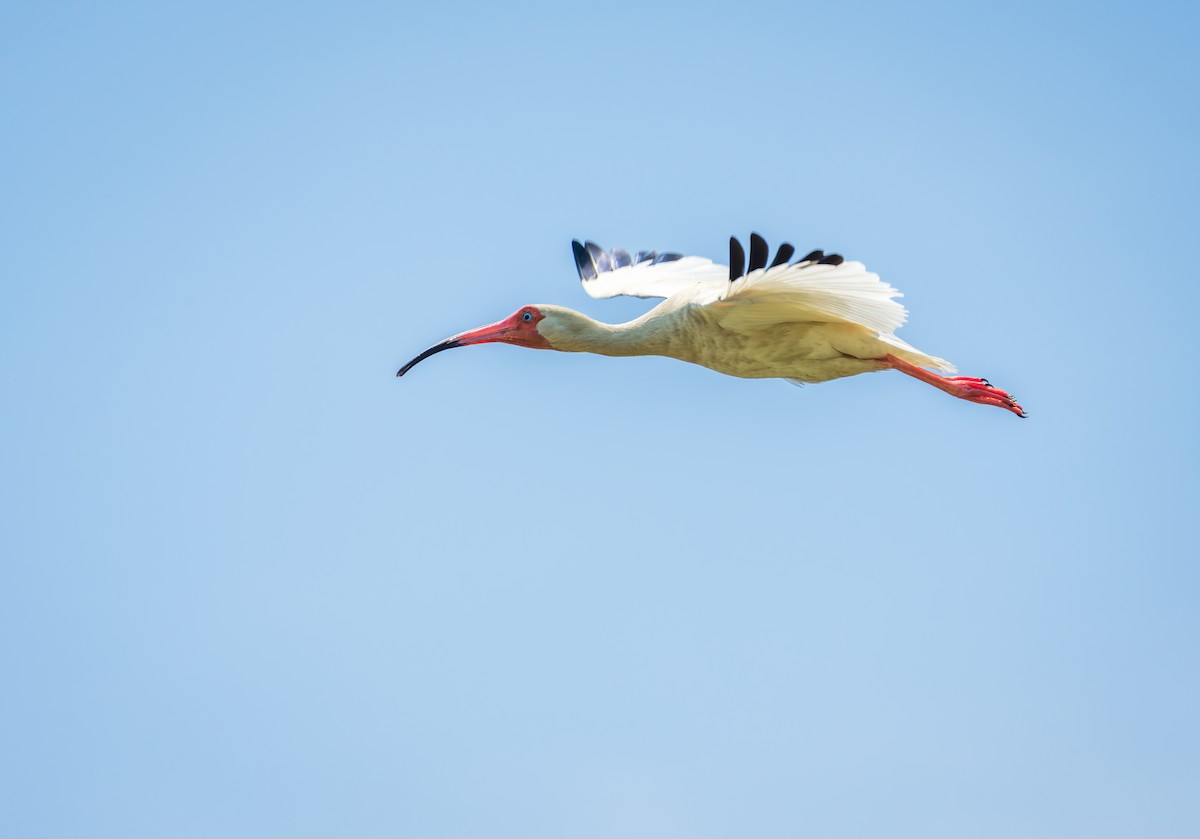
x=522, y=327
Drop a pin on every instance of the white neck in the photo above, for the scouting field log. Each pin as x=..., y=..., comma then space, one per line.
x=571, y=331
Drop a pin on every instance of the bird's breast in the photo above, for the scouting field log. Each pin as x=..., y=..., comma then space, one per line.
x=811, y=352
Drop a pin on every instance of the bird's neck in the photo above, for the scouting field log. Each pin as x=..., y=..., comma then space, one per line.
x=575, y=332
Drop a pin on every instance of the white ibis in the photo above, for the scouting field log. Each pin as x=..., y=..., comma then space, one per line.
x=810, y=320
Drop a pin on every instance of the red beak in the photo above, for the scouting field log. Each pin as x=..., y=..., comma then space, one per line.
x=511, y=330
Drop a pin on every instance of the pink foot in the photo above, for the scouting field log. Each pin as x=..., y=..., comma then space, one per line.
x=964, y=387
x=988, y=395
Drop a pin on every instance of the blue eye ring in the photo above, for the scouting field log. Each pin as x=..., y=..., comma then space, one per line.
x=527, y=316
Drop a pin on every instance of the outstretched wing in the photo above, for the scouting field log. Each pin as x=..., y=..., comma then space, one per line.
x=644, y=274
x=815, y=288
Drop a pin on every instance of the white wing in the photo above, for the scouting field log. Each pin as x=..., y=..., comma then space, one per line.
x=811, y=290
x=816, y=288
x=645, y=274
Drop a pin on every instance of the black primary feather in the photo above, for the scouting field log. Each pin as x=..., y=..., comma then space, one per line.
x=832, y=259
x=603, y=261
x=785, y=253
x=737, y=259
x=599, y=257
x=583, y=262
x=759, y=251
x=813, y=257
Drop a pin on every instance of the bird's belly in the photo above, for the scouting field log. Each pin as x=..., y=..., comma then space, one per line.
x=809, y=352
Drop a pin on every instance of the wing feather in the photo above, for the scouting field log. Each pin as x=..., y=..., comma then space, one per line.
x=647, y=274
x=816, y=288
x=828, y=290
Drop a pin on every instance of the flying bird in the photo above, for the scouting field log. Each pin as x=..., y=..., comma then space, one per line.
x=806, y=320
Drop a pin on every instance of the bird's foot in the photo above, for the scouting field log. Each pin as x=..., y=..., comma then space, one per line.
x=981, y=391
x=964, y=387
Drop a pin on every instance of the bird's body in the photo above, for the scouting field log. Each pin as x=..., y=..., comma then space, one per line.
x=813, y=320
x=803, y=352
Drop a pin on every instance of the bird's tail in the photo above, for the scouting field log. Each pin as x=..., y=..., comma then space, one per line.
x=912, y=355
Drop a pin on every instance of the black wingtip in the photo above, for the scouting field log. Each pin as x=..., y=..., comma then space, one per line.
x=583, y=261
x=759, y=251
x=813, y=256
x=737, y=259
x=832, y=259
x=600, y=258
x=785, y=253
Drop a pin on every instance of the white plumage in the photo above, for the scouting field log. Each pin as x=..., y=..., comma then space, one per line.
x=811, y=320
x=656, y=279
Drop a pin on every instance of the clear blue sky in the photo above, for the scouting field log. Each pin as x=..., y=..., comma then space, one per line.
x=253, y=585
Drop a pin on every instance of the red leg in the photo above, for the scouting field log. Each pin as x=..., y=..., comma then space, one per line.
x=964, y=387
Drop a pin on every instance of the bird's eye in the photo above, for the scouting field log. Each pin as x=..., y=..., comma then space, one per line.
x=527, y=316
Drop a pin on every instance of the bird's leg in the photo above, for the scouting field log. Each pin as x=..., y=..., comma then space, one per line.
x=964, y=387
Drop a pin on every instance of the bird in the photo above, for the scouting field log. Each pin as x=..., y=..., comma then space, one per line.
x=806, y=320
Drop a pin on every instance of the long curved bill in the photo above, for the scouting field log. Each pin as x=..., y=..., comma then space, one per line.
x=448, y=344
x=499, y=331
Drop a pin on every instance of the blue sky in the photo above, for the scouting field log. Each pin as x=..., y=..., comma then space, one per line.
x=253, y=585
